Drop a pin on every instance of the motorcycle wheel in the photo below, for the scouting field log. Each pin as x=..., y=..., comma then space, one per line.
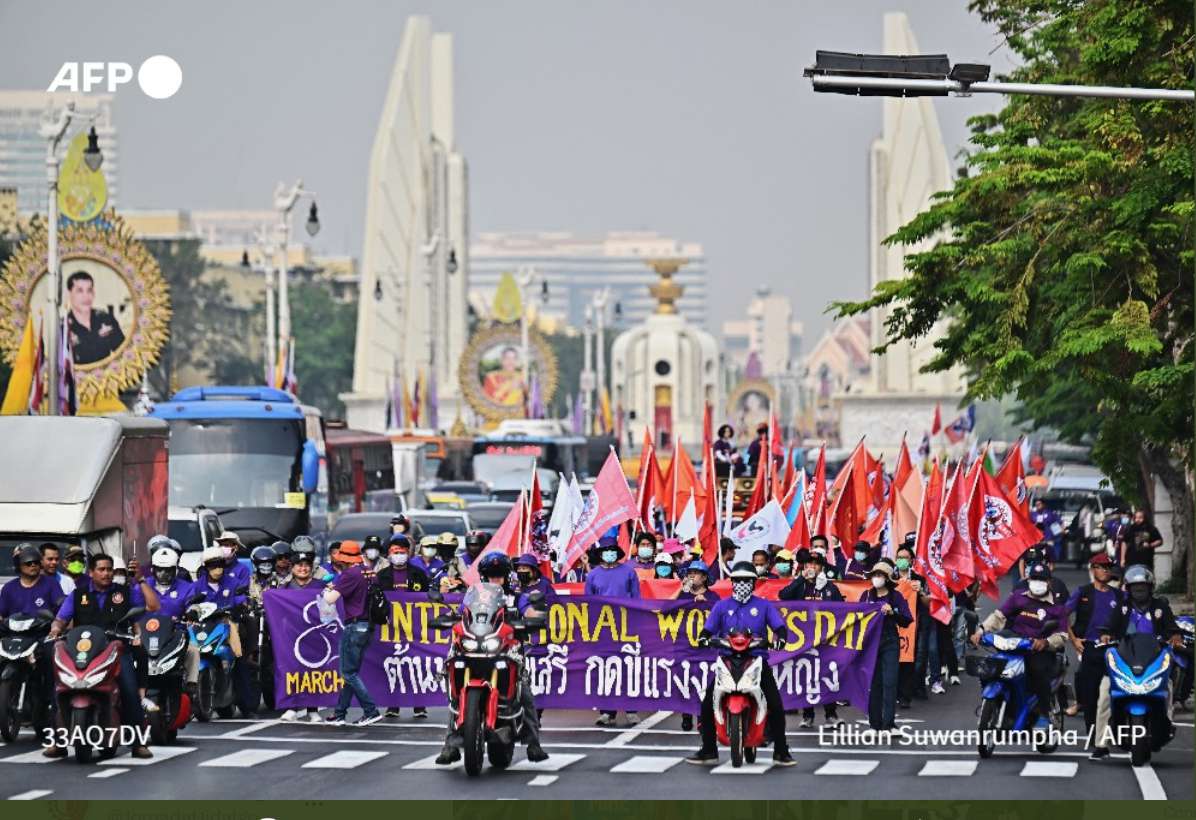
x=749, y=754
x=223, y=686
x=990, y=714
x=157, y=727
x=735, y=727
x=1056, y=721
x=80, y=720
x=1140, y=751
x=10, y=715
x=474, y=733
x=500, y=754
x=203, y=697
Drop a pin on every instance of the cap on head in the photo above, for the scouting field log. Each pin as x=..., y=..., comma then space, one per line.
x=228, y=535
x=884, y=567
x=444, y=539
x=1039, y=572
x=1101, y=559
x=698, y=565
x=350, y=553
x=743, y=571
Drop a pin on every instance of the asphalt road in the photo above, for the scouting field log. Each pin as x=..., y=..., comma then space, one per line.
x=267, y=759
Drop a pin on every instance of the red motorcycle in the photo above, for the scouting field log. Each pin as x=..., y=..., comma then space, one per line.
x=483, y=669
x=740, y=712
x=86, y=666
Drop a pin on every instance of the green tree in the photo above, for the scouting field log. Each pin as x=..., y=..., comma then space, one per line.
x=325, y=331
x=1065, y=253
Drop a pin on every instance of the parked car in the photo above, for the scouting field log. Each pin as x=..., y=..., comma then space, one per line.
x=195, y=528
x=356, y=526
x=468, y=491
x=489, y=515
x=435, y=522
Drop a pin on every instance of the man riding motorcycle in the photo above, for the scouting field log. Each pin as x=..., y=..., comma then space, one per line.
x=173, y=593
x=222, y=588
x=28, y=594
x=1036, y=614
x=454, y=574
x=263, y=559
x=495, y=568
x=747, y=612
x=1140, y=611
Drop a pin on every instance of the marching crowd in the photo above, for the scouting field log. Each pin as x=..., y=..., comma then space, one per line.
x=100, y=590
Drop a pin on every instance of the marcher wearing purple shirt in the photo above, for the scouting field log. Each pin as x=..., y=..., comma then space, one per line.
x=612, y=579
x=1093, y=606
x=352, y=586
x=18, y=599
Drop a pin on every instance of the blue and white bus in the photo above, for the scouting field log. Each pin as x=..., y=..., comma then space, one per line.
x=250, y=453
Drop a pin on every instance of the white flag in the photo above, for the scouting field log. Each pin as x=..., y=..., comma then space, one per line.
x=687, y=524
x=729, y=500
x=764, y=528
x=560, y=525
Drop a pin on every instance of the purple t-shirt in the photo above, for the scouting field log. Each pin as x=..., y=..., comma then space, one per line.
x=1104, y=603
x=354, y=588
x=16, y=599
x=619, y=581
x=1033, y=618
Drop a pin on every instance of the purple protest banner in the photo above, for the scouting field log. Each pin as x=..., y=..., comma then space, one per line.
x=595, y=653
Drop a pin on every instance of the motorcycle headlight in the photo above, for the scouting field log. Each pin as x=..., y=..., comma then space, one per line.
x=491, y=644
x=206, y=649
x=1145, y=687
x=1005, y=644
x=90, y=681
x=469, y=644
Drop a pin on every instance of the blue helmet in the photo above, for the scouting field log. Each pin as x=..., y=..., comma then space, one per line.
x=698, y=565
x=494, y=563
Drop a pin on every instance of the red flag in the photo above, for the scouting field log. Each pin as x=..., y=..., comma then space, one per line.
x=799, y=532
x=756, y=502
x=927, y=556
x=1002, y=531
x=708, y=428
x=784, y=487
x=816, y=495
x=650, y=484
x=851, y=498
x=1012, y=477
x=937, y=424
x=681, y=481
x=609, y=503
x=505, y=540
x=708, y=531
x=956, y=532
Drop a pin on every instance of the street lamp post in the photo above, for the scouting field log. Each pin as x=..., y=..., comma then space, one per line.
x=429, y=252
x=265, y=252
x=53, y=131
x=524, y=279
x=601, y=298
x=587, y=373
x=284, y=201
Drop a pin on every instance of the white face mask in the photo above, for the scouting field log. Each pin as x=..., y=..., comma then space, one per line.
x=1038, y=587
x=878, y=582
x=398, y=559
x=646, y=552
x=429, y=552
x=371, y=554
x=820, y=581
x=120, y=578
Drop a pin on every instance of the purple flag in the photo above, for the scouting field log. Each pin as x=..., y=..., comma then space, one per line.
x=578, y=420
x=595, y=653
x=433, y=400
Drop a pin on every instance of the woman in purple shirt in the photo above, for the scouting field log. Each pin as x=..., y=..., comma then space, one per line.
x=613, y=579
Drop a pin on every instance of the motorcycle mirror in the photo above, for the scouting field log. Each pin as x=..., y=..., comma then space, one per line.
x=536, y=596
x=133, y=613
x=45, y=613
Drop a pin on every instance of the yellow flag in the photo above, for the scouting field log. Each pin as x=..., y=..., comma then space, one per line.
x=16, y=398
x=608, y=420
x=507, y=304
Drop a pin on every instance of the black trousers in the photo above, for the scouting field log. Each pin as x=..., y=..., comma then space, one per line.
x=947, y=649
x=1088, y=677
x=776, y=714
x=1040, y=668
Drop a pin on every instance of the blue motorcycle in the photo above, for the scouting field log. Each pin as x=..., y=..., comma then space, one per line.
x=1007, y=702
x=1138, y=670
x=1183, y=659
x=209, y=630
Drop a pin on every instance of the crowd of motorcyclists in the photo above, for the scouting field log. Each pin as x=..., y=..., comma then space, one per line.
x=99, y=591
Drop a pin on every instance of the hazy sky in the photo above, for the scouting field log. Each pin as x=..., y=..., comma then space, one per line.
x=690, y=118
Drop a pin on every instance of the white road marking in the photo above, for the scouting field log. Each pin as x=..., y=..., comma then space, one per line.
x=543, y=780
x=948, y=768
x=345, y=759
x=32, y=794
x=631, y=734
x=250, y=729
x=646, y=764
x=761, y=765
x=854, y=767
x=35, y=756
x=104, y=774
x=555, y=763
x=1148, y=782
x=246, y=758
x=429, y=763
x=160, y=753
x=1043, y=768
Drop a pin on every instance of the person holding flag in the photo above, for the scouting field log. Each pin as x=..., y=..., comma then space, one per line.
x=813, y=585
x=613, y=579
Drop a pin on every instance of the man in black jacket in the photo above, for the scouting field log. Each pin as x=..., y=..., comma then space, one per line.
x=812, y=584
x=1140, y=611
x=1093, y=606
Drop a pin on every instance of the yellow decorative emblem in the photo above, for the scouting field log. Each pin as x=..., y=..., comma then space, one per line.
x=507, y=304
x=82, y=192
x=492, y=371
x=83, y=645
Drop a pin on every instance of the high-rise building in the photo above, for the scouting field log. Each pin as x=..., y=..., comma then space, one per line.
x=575, y=268
x=415, y=266
x=23, y=148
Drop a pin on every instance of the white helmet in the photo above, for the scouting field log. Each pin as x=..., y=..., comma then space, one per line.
x=164, y=558
x=212, y=553
x=118, y=563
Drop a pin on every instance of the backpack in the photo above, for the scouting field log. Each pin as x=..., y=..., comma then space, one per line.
x=376, y=605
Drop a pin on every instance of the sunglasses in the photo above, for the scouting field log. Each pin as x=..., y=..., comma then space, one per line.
x=31, y=563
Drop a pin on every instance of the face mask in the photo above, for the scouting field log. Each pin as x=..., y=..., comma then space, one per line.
x=229, y=552
x=820, y=581
x=783, y=568
x=1140, y=593
x=809, y=574
x=609, y=556
x=75, y=567
x=120, y=578
x=664, y=571
x=903, y=564
x=398, y=559
x=265, y=569
x=878, y=582
x=762, y=569
x=429, y=552
x=525, y=578
x=1038, y=587
x=741, y=591
x=819, y=551
x=645, y=552
x=861, y=556
x=371, y=554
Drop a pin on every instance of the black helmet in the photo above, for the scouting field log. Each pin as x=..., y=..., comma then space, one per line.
x=281, y=549
x=476, y=541
x=1038, y=572
x=263, y=558
x=25, y=553
x=494, y=564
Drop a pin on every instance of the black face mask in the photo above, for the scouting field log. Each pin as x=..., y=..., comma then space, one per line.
x=1140, y=594
x=525, y=578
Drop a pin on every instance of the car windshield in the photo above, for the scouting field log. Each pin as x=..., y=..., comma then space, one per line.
x=490, y=516
x=359, y=527
x=435, y=525
x=187, y=533
x=481, y=608
x=234, y=462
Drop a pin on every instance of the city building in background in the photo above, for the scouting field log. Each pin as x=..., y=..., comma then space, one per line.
x=907, y=166
x=412, y=317
x=575, y=268
x=665, y=369
x=770, y=332
x=838, y=363
x=23, y=148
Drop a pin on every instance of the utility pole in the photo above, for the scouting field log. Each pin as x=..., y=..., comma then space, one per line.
x=53, y=131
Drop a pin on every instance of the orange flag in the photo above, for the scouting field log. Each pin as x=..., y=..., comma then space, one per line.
x=682, y=479
x=928, y=560
x=650, y=484
x=1012, y=477
x=756, y=502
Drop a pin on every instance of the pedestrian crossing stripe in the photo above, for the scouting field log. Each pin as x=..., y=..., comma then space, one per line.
x=848, y=767
x=646, y=764
x=948, y=768
x=161, y=753
x=246, y=758
x=344, y=759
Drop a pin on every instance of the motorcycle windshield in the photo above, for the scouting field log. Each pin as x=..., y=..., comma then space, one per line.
x=156, y=633
x=482, y=608
x=1139, y=651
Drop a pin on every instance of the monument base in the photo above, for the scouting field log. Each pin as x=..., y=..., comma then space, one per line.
x=885, y=417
